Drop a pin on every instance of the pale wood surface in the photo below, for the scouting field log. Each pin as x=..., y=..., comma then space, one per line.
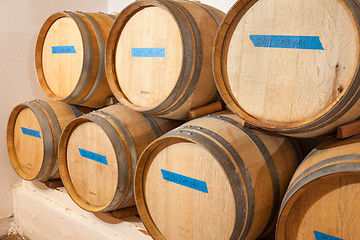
x=152, y=24
x=172, y=211
x=28, y=149
x=93, y=185
x=290, y=85
x=137, y=126
x=329, y=150
x=94, y=182
x=147, y=81
x=279, y=88
x=63, y=112
x=62, y=71
x=33, y=157
x=327, y=204
x=77, y=78
x=180, y=212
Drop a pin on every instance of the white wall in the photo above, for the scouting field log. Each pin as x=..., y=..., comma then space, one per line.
x=117, y=6
x=223, y=5
x=20, y=21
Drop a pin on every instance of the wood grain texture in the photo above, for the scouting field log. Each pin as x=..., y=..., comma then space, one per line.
x=204, y=110
x=321, y=195
x=99, y=188
x=75, y=77
x=62, y=71
x=297, y=92
x=168, y=85
x=54, y=184
x=171, y=210
x=165, y=200
x=28, y=149
x=151, y=27
x=33, y=132
x=115, y=136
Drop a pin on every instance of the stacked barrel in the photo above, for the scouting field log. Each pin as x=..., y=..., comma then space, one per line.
x=70, y=52
x=292, y=68
x=69, y=63
x=285, y=70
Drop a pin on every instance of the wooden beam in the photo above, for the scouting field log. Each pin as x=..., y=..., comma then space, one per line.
x=205, y=110
x=54, y=183
x=348, y=130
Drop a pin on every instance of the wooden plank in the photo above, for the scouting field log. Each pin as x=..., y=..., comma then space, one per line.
x=116, y=216
x=124, y=212
x=205, y=110
x=54, y=183
x=348, y=130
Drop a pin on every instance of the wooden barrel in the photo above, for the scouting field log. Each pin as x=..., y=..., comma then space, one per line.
x=158, y=56
x=289, y=66
x=98, y=153
x=321, y=200
x=33, y=133
x=70, y=57
x=213, y=178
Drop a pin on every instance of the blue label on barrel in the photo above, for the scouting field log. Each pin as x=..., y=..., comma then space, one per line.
x=279, y=41
x=63, y=49
x=93, y=156
x=148, y=52
x=323, y=236
x=184, y=181
x=30, y=132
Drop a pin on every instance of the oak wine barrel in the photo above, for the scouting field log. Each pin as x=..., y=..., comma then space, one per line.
x=321, y=201
x=291, y=67
x=33, y=134
x=98, y=154
x=70, y=57
x=158, y=56
x=213, y=178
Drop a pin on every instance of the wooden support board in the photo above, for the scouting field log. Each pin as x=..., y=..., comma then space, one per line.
x=348, y=130
x=56, y=183
x=204, y=110
x=116, y=216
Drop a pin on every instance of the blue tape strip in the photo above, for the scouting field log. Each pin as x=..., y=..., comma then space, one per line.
x=295, y=42
x=63, y=49
x=93, y=156
x=323, y=236
x=185, y=181
x=30, y=132
x=148, y=52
